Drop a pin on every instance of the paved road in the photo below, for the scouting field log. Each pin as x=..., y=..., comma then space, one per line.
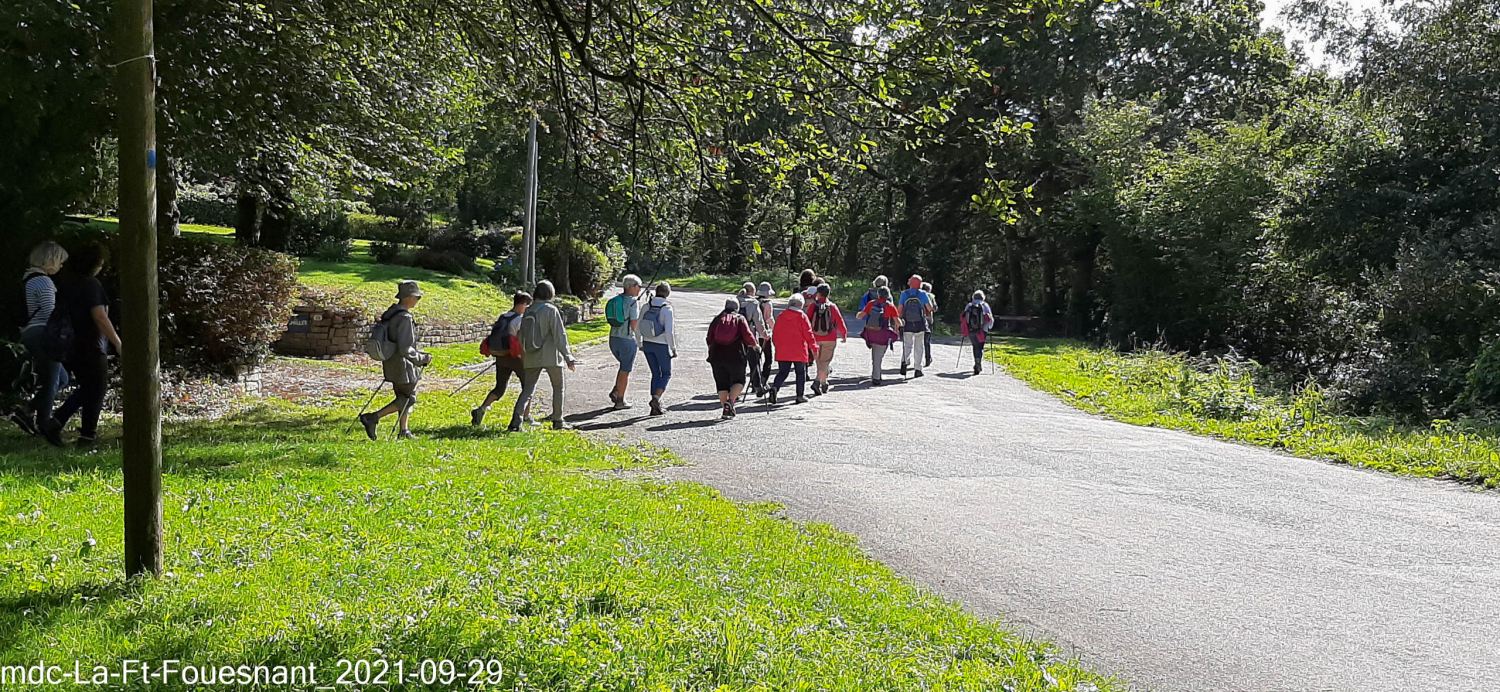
x=1179, y=563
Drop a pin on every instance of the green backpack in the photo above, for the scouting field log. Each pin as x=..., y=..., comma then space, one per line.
x=614, y=311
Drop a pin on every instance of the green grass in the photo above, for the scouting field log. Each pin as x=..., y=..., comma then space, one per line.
x=1222, y=399
x=289, y=543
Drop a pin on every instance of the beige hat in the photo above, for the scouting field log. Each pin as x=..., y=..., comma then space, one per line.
x=407, y=288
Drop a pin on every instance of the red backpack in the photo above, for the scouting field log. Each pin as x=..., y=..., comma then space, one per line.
x=726, y=330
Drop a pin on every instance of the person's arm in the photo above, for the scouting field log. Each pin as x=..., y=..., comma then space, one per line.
x=563, y=346
x=669, y=322
x=989, y=318
x=747, y=337
x=839, y=328
x=100, y=314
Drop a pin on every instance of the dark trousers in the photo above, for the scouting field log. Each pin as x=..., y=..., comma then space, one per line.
x=927, y=345
x=978, y=349
x=767, y=356
x=51, y=376
x=786, y=366
x=91, y=370
x=504, y=368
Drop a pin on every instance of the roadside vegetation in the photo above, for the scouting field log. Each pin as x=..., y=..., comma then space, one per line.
x=1231, y=399
x=292, y=543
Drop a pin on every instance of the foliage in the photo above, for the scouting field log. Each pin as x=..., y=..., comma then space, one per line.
x=589, y=269
x=1236, y=400
x=1483, y=385
x=16, y=376
x=206, y=205
x=470, y=544
x=447, y=299
x=222, y=305
x=448, y=261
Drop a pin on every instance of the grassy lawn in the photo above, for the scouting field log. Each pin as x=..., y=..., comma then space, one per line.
x=1163, y=390
x=290, y=542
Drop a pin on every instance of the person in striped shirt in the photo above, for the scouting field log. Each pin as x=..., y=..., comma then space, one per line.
x=41, y=298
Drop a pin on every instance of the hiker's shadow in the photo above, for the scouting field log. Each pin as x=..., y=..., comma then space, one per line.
x=590, y=415
x=955, y=375
x=612, y=425
x=685, y=425
x=696, y=407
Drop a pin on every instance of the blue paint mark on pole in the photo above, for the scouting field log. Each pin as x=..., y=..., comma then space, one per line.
x=151, y=158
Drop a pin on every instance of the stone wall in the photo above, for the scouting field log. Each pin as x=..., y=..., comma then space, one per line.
x=315, y=332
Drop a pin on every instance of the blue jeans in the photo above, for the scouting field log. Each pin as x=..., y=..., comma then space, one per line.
x=624, y=351
x=50, y=375
x=659, y=357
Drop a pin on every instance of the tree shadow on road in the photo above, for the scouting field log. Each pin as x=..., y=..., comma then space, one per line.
x=685, y=425
x=611, y=425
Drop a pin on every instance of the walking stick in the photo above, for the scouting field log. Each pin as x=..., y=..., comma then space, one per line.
x=471, y=379
x=959, y=357
x=362, y=410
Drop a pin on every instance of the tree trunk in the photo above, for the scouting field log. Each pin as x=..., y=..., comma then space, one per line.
x=1049, y=280
x=795, y=250
x=140, y=369
x=1017, y=278
x=246, y=226
x=1080, y=293
x=563, y=279
x=167, y=215
x=276, y=227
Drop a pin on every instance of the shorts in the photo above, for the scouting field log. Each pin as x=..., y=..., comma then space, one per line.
x=728, y=372
x=624, y=351
x=406, y=394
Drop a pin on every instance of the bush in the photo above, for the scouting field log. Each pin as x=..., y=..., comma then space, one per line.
x=207, y=205
x=385, y=251
x=222, y=304
x=506, y=274
x=321, y=230
x=1483, y=386
x=589, y=270
x=371, y=227
x=448, y=261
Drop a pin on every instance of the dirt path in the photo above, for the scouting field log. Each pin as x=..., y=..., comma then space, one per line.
x=1180, y=563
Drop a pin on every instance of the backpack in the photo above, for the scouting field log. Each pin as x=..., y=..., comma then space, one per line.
x=58, y=336
x=379, y=346
x=750, y=310
x=614, y=311
x=531, y=331
x=726, y=330
x=913, y=313
x=822, y=321
x=974, y=318
x=651, y=324
x=503, y=340
x=875, y=319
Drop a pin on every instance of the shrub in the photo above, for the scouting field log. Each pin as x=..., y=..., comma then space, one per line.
x=438, y=260
x=320, y=230
x=1483, y=387
x=589, y=270
x=385, y=251
x=207, y=205
x=371, y=227
x=333, y=251
x=222, y=305
x=506, y=274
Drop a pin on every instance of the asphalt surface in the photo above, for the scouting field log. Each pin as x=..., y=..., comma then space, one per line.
x=1178, y=563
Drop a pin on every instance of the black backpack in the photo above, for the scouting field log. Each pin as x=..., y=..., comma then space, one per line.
x=914, y=313
x=822, y=321
x=974, y=318
x=57, y=339
x=504, y=339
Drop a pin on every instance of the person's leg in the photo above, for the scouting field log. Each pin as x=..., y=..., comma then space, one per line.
x=978, y=350
x=529, y=378
x=825, y=360
x=801, y=379
x=93, y=381
x=502, y=380
x=877, y=360
x=407, y=394
x=624, y=351
x=927, y=346
x=768, y=350
x=555, y=374
x=783, y=368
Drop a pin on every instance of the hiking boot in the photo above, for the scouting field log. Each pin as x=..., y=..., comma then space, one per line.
x=25, y=421
x=800, y=400
x=621, y=404
x=476, y=417
x=771, y=398
x=406, y=435
x=656, y=407
x=561, y=425
x=732, y=410
x=928, y=364
x=978, y=368
x=52, y=431
x=372, y=425
x=515, y=426
x=87, y=441
x=919, y=374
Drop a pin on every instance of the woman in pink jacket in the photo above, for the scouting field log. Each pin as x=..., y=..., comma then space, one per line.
x=828, y=329
x=795, y=346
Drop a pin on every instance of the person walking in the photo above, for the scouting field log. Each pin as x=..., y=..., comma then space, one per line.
x=729, y=341
x=795, y=347
x=623, y=312
x=881, y=320
x=403, y=369
x=659, y=343
x=544, y=343
x=927, y=336
x=975, y=326
x=750, y=309
x=41, y=299
x=87, y=306
x=874, y=292
x=916, y=312
x=807, y=284
x=505, y=347
x=765, y=296
x=828, y=330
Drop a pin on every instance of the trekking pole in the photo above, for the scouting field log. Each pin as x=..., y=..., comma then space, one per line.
x=958, y=357
x=366, y=407
x=471, y=379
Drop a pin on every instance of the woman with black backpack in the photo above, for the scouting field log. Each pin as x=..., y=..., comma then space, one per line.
x=504, y=345
x=41, y=299
x=729, y=341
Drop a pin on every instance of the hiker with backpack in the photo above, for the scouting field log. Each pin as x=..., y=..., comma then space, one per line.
x=47, y=353
x=828, y=330
x=916, y=312
x=504, y=345
x=807, y=284
x=765, y=297
x=750, y=309
x=659, y=343
x=874, y=292
x=975, y=326
x=393, y=341
x=623, y=313
x=544, y=341
x=927, y=337
x=86, y=313
x=729, y=342
x=795, y=347
x=881, y=320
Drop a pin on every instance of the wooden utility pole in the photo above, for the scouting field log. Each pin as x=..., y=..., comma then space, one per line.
x=528, y=232
x=135, y=90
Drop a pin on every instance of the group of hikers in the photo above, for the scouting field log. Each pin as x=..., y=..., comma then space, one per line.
x=67, y=329
x=749, y=343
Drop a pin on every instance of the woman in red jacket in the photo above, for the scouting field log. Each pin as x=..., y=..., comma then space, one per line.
x=795, y=345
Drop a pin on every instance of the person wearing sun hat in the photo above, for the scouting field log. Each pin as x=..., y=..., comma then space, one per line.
x=404, y=368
